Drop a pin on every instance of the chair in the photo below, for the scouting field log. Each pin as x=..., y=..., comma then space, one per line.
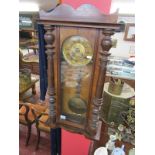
x=29, y=61
x=24, y=44
x=28, y=113
x=42, y=125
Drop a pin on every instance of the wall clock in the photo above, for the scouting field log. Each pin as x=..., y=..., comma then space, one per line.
x=77, y=48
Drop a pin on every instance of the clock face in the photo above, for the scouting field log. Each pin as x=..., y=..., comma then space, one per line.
x=77, y=51
x=76, y=67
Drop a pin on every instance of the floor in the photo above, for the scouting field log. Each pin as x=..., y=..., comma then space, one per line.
x=44, y=146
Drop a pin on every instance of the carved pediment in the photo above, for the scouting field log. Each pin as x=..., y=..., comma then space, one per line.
x=84, y=13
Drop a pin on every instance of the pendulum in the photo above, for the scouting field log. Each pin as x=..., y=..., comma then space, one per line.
x=77, y=104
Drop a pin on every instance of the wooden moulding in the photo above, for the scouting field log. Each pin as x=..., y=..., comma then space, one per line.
x=84, y=16
x=98, y=100
x=49, y=39
x=85, y=13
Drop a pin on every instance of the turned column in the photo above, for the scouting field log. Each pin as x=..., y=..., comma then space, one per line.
x=49, y=39
x=106, y=44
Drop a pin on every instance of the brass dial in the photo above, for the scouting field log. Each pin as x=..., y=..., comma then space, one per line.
x=77, y=51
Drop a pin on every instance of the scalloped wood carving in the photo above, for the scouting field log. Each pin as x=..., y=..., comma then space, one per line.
x=84, y=13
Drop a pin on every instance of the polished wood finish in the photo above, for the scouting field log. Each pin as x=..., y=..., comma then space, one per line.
x=106, y=44
x=86, y=14
x=49, y=38
x=98, y=28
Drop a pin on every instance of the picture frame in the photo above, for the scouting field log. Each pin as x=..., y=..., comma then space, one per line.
x=129, y=32
x=123, y=19
x=27, y=20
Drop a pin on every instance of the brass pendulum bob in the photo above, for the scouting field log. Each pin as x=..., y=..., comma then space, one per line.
x=76, y=103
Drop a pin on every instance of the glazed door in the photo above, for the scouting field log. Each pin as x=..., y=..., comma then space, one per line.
x=76, y=65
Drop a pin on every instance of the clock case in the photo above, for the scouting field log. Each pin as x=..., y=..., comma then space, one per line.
x=88, y=22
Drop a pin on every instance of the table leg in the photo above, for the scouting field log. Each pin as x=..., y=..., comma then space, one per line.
x=34, y=89
x=35, y=51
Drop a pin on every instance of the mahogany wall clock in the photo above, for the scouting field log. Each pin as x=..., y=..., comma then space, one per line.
x=77, y=47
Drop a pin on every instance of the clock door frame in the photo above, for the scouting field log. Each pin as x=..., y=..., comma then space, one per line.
x=75, y=127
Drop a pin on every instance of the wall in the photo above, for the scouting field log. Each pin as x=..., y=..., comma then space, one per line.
x=123, y=47
x=125, y=6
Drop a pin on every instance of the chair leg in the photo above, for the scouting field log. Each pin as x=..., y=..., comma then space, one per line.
x=38, y=139
x=28, y=135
